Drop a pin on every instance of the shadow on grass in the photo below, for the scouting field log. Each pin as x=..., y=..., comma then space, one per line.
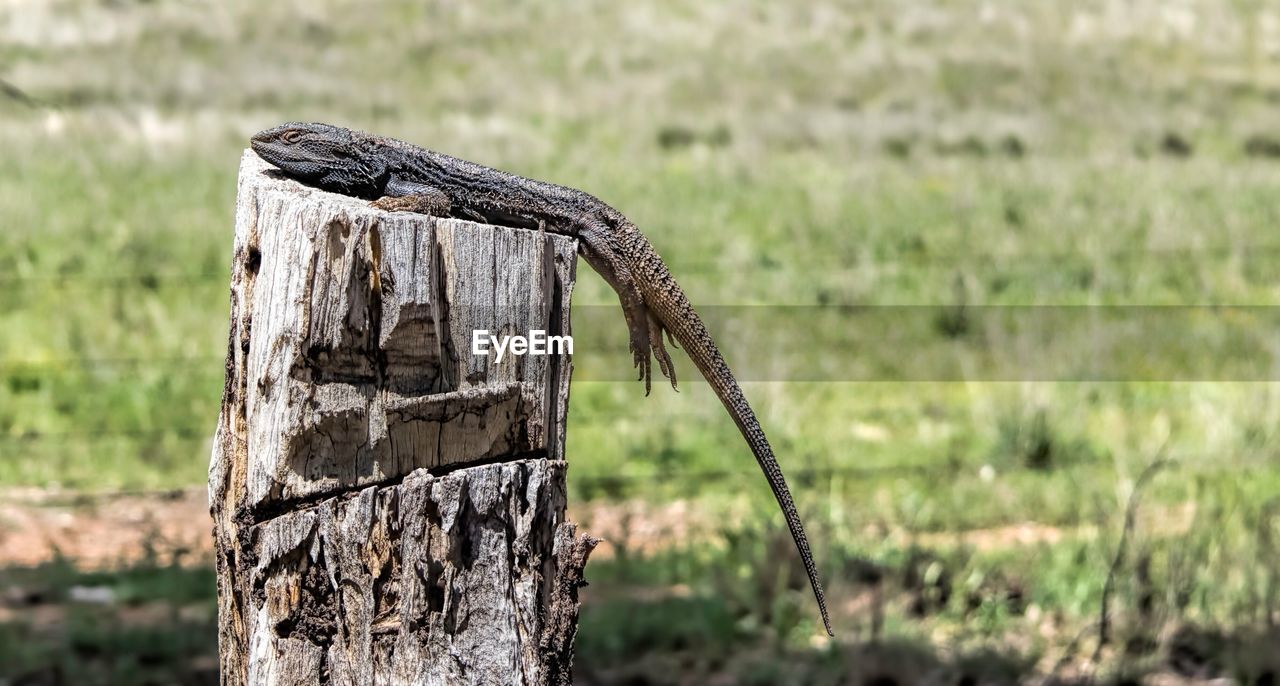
x=697, y=640
x=156, y=624
x=691, y=640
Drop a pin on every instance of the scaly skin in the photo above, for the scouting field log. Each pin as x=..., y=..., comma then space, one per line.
x=399, y=176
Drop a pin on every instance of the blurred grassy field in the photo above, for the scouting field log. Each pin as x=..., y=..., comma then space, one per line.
x=837, y=154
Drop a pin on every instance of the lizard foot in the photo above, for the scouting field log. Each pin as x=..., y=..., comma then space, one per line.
x=659, y=350
x=639, y=334
x=600, y=252
x=422, y=203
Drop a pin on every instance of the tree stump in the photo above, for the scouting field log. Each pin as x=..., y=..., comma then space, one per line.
x=389, y=508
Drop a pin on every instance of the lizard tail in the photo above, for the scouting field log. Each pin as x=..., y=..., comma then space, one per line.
x=667, y=300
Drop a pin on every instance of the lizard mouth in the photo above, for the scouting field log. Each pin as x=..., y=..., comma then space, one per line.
x=293, y=162
x=268, y=149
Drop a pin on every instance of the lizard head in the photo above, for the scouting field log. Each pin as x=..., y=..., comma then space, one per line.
x=329, y=157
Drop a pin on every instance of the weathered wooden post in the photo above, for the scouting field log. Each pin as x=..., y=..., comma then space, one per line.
x=388, y=507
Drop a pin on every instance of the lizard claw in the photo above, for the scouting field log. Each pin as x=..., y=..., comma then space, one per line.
x=659, y=350
x=436, y=205
x=639, y=334
x=645, y=377
x=640, y=357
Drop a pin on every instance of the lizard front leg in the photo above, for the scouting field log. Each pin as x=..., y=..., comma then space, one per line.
x=404, y=196
x=408, y=196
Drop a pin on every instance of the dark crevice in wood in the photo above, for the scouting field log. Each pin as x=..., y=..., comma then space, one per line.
x=272, y=509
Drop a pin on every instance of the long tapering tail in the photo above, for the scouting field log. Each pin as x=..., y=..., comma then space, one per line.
x=667, y=300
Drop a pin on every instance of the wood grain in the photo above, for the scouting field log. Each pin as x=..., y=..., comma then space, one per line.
x=388, y=507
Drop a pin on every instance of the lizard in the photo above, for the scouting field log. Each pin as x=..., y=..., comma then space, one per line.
x=398, y=176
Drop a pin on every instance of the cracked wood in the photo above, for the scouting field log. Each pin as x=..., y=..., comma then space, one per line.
x=340, y=557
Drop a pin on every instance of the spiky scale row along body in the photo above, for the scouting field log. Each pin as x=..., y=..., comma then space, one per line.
x=400, y=176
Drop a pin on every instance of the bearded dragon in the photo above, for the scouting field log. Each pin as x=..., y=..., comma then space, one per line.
x=399, y=176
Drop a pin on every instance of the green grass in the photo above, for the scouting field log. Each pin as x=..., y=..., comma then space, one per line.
x=158, y=626
x=945, y=154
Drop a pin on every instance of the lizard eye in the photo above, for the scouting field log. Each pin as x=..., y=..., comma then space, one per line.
x=291, y=136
